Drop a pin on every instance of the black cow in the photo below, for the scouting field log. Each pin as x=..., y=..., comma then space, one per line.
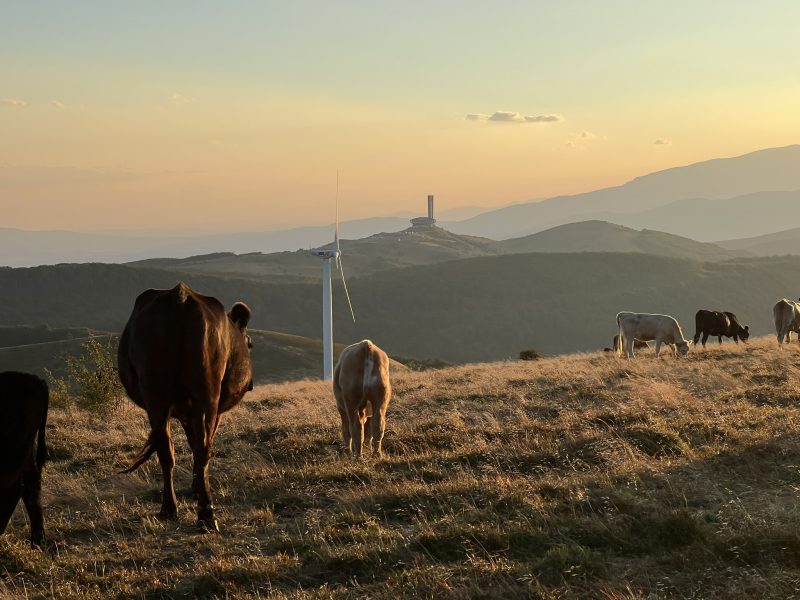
x=23, y=417
x=716, y=323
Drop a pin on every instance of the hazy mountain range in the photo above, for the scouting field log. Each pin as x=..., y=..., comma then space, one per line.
x=721, y=199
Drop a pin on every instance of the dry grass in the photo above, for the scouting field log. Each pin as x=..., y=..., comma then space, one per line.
x=582, y=476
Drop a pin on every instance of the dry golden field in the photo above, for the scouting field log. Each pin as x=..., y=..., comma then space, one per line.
x=584, y=476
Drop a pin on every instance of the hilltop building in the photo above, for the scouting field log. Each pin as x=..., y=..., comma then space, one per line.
x=425, y=222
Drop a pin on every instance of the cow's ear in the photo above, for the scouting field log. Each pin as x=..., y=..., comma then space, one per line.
x=747, y=328
x=240, y=314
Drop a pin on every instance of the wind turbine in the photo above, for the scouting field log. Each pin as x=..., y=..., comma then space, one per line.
x=328, y=255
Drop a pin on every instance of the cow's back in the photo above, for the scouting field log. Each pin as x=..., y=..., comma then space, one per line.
x=175, y=340
x=362, y=370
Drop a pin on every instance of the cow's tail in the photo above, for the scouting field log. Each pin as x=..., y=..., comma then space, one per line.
x=368, y=376
x=144, y=454
x=777, y=313
x=41, y=447
x=619, y=348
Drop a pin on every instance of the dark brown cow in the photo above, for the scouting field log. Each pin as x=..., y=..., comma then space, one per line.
x=23, y=416
x=181, y=356
x=717, y=323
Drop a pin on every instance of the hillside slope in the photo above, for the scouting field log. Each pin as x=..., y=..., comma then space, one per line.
x=467, y=310
x=772, y=244
x=576, y=477
x=601, y=236
x=276, y=356
x=380, y=252
x=768, y=169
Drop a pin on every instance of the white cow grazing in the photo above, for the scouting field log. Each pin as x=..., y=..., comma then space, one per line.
x=787, y=318
x=646, y=327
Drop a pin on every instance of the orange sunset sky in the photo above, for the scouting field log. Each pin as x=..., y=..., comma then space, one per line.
x=210, y=116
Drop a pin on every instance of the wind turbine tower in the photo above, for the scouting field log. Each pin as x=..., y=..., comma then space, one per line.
x=332, y=253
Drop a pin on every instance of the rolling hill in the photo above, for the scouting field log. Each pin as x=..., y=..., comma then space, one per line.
x=407, y=248
x=276, y=356
x=474, y=309
x=753, y=173
x=601, y=236
x=414, y=247
x=773, y=244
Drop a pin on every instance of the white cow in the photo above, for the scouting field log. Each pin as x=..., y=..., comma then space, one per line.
x=787, y=318
x=646, y=327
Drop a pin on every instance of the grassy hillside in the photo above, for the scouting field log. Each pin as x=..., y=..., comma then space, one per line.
x=576, y=477
x=773, y=244
x=415, y=247
x=276, y=356
x=379, y=252
x=601, y=236
x=467, y=310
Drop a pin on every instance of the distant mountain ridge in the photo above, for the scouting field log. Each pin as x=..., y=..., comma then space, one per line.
x=755, y=172
x=773, y=244
x=415, y=247
x=723, y=198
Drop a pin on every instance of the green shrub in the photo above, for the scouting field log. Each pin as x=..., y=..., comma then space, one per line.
x=530, y=354
x=91, y=382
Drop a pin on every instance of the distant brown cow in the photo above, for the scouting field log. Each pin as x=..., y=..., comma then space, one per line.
x=182, y=356
x=362, y=389
x=23, y=417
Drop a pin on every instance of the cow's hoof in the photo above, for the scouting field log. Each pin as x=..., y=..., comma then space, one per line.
x=168, y=515
x=38, y=542
x=209, y=525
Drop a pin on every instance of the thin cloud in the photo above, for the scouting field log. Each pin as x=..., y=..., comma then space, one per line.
x=508, y=116
x=662, y=142
x=11, y=103
x=179, y=100
x=57, y=104
x=544, y=119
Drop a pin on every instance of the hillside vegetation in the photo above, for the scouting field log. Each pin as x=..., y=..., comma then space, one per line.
x=415, y=247
x=276, y=356
x=477, y=309
x=584, y=476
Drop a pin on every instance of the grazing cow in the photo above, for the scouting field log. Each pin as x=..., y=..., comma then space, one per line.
x=181, y=356
x=637, y=345
x=716, y=323
x=646, y=327
x=787, y=319
x=23, y=417
x=362, y=390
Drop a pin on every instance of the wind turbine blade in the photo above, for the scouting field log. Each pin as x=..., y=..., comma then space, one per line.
x=344, y=284
x=336, y=235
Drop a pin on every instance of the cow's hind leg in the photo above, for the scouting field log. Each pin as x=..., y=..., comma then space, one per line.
x=159, y=423
x=203, y=429
x=9, y=498
x=32, y=497
x=720, y=339
x=357, y=432
x=346, y=431
x=378, y=426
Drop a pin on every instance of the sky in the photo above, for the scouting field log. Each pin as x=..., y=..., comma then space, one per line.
x=222, y=116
